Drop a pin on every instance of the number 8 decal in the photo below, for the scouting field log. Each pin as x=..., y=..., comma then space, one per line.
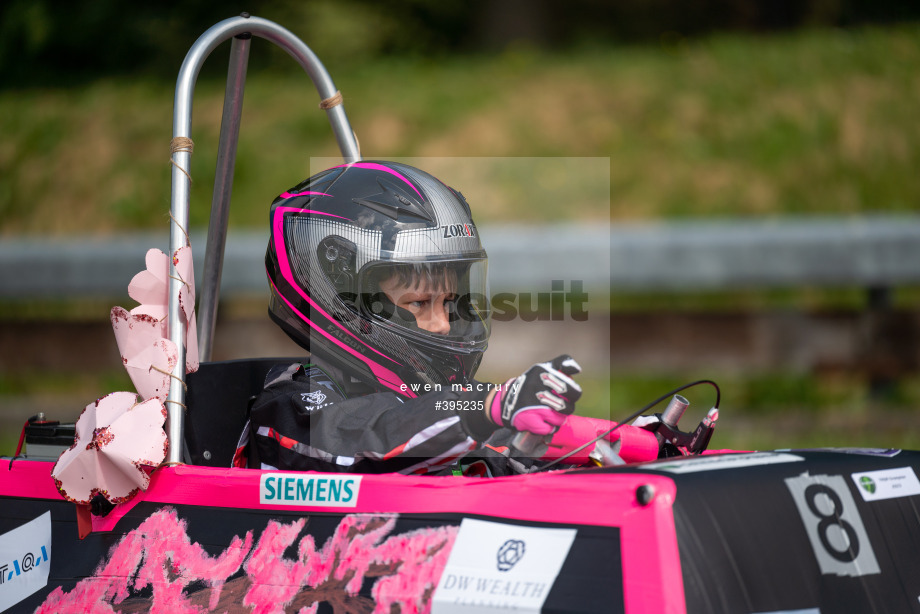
x=849, y=553
x=833, y=524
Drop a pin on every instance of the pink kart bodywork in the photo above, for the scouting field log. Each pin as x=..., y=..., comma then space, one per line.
x=157, y=552
x=784, y=531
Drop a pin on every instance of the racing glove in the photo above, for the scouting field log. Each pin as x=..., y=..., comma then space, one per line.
x=539, y=400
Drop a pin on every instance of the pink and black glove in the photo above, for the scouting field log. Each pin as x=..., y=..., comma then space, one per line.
x=539, y=400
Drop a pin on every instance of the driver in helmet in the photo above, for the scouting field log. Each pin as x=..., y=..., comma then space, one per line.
x=376, y=268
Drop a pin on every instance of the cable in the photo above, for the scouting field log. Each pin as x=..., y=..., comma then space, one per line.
x=22, y=434
x=635, y=415
x=22, y=437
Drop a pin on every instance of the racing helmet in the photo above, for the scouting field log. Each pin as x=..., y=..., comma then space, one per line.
x=343, y=237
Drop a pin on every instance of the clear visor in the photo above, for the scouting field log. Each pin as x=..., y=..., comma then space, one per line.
x=438, y=300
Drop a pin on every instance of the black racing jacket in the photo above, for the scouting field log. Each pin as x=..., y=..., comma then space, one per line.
x=315, y=417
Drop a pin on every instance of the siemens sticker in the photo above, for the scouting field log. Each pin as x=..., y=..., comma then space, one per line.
x=309, y=490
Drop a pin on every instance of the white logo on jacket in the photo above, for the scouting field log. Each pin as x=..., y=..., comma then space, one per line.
x=312, y=398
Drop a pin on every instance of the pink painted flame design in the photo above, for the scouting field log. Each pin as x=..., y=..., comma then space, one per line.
x=160, y=556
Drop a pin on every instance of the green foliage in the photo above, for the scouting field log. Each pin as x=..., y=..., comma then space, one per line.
x=764, y=411
x=811, y=122
x=77, y=41
x=80, y=387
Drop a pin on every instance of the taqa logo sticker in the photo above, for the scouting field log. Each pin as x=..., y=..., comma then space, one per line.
x=526, y=563
x=25, y=560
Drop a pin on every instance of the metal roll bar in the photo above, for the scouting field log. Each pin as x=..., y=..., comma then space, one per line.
x=240, y=29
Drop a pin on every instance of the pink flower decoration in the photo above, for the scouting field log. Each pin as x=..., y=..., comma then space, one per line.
x=118, y=443
x=147, y=356
x=139, y=331
x=150, y=287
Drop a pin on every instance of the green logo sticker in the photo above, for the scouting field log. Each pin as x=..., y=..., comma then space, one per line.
x=867, y=484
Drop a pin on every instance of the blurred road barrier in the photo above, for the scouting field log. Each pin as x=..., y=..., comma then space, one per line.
x=877, y=251
x=867, y=251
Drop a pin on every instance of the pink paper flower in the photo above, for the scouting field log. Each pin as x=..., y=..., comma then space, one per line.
x=148, y=358
x=118, y=442
x=148, y=355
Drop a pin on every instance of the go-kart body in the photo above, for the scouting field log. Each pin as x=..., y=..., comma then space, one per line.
x=782, y=531
x=788, y=531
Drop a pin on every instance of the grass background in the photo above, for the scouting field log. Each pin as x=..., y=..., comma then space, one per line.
x=820, y=121
x=816, y=122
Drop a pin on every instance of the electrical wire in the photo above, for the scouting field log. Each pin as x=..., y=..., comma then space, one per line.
x=635, y=415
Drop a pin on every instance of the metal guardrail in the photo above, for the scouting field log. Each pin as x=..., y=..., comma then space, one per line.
x=874, y=251
x=878, y=251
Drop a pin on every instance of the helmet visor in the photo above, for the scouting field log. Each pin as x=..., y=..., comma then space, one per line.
x=437, y=301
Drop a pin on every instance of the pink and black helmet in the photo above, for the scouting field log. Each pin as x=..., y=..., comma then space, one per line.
x=338, y=234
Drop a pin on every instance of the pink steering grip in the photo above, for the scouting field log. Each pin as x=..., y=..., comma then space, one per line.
x=636, y=444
